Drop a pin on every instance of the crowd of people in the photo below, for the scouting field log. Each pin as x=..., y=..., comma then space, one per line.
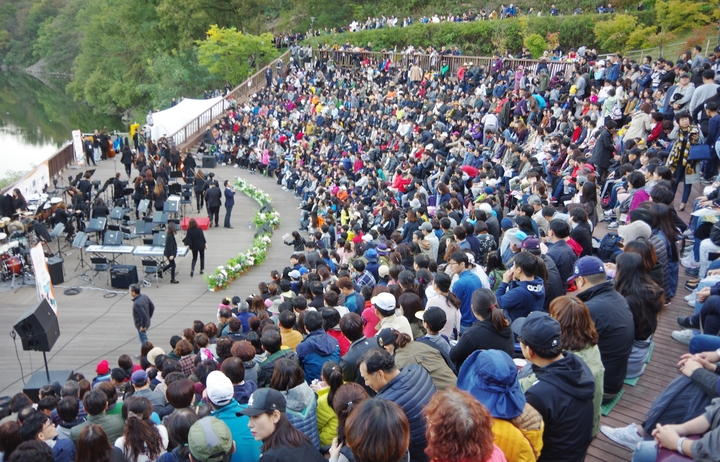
x=450, y=295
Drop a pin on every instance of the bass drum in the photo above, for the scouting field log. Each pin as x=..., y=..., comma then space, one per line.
x=12, y=265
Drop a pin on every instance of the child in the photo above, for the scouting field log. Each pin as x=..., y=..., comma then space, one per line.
x=434, y=320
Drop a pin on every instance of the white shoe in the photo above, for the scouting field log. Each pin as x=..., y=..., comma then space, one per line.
x=625, y=436
x=224, y=164
x=608, y=213
x=613, y=225
x=689, y=262
x=235, y=166
x=683, y=336
x=690, y=297
x=691, y=303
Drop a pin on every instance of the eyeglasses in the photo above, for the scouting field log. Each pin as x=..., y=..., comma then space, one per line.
x=450, y=263
x=49, y=424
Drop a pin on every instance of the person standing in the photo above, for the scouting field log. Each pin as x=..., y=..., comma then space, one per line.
x=143, y=309
x=127, y=159
x=171, y=251
x=195, y=240
x=212, y=198
x=89, y=151
x=229, y=202
x=467, y=283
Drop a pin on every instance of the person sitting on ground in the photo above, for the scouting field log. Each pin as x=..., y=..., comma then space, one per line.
x=95, y=403
x=522, y=290
x=39, y=427
x=433, y=320
x=272, y=344
x=317, y=348
x=385, y=307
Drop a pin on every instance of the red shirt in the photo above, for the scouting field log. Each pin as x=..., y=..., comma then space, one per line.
x=341, y=339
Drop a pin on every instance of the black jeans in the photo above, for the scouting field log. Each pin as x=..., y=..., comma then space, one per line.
x=214, y=213
x=195, y=257
x=171, y=266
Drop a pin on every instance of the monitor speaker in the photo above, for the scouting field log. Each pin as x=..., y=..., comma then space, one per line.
x=38, y=328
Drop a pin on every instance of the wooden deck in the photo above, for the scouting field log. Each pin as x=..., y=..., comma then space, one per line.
x=97, y=323
x=662, y=368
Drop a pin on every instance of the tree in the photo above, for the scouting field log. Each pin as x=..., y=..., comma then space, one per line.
x=679, y=15
x=612, y=35
x=225, y=52
x=535, y=44
x=640, y=38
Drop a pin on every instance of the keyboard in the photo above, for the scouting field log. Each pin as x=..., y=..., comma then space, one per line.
x=113, y=249
x=156, y=251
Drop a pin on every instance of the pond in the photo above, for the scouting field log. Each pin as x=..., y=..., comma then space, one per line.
x=37, y=117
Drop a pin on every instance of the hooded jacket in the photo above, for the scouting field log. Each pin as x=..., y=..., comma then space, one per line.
x=317, y=348
x=481, y=336
x=563, y=395
x=266, y=368
x=412, y=390
x=246, y=448
x=430, y=359
x=302, y=411
x=616, y=330
x=521, y=297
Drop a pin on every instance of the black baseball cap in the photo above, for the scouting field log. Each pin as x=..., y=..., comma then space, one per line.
x=264, y=400
x=538, y=330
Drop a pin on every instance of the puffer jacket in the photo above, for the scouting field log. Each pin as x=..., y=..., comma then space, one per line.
x=520, y=439
x=302, y=411
x=430, y=359
x=412, y=390
x=313, y=352
x=662, y=258
x=266, y=368
x=326, y=417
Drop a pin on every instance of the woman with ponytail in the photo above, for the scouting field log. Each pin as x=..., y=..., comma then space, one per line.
x=142, y=440
x=345, y=400
x=448, y=302
x=491, y=331
x=332, y=380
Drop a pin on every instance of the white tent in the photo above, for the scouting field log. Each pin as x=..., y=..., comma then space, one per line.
x=169, y=121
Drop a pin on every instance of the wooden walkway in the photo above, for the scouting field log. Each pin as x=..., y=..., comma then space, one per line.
x=97, y=323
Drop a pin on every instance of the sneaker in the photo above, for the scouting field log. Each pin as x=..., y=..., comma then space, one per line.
x=694, y=271
x=683, y=336
x=608, y=213
x=235, y=166
x=689, y=262
x=691, y=303
x=688, y=233
x=690, y=297
x=686, y=322
x=624, y=436
x=613, y=225
x=692, y=284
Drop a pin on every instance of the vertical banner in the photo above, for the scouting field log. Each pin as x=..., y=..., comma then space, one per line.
x=79, y=148
x=42, y=277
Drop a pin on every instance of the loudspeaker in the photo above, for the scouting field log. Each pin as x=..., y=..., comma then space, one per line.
x=209, y=162
x=55, y=267
x=38, y=328
x=122, y=276
x=113, y=238
x=40, y=379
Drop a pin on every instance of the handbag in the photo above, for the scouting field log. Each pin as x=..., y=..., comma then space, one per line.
x=699, y=152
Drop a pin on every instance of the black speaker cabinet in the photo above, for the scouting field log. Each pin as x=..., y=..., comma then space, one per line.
x=122, y=276
x=209, y=162
x=40, y=378
x=55, y=267
x=38, y=328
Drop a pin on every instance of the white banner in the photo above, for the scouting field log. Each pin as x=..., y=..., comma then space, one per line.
x=78, y=146
x=35, y=181
x=43, y=283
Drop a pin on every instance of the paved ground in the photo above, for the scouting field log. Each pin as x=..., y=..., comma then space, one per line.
x=97, y=323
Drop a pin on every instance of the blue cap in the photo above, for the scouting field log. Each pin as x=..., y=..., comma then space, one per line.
x=491, y=377
x=506, y=223
x=587, y=266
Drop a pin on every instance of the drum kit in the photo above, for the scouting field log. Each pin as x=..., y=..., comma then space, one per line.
x=14, y=254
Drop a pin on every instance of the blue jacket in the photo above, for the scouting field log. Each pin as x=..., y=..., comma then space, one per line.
x=464, y=287
x=246, y=448
x=63, y=451
x=302, y=411
x=613, y=72
x=412, y=390
x=521, y=297
x=713, y=131
x=229, y=197
x=313, y=352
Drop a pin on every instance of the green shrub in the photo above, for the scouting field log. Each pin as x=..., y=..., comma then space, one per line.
x=536, y=44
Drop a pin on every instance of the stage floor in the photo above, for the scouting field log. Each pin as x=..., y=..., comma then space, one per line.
x=97, y=323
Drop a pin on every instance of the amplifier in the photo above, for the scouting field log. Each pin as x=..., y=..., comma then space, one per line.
x=209, y=162
x=122, y=276
x=55, y=268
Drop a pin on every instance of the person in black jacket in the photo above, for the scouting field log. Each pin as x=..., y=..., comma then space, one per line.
x=143, y=309
x=581, y=232
x=195, y=240
x=604, y=150
x=351, y=325
x=491, y=331
x=171, y=251
x=199, y=188
x=563, y=393
x=410, y=388
x=118, y=188
x=213, y=198
x=613, y=320
x=269, y=424
x=127, y=159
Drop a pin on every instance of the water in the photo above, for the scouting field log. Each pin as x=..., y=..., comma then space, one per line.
x=37, y=117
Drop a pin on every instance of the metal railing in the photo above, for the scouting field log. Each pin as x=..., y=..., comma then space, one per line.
x=428, y=62
x=184, y=137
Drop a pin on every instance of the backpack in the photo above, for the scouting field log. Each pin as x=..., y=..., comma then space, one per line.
x=608, y=247
x=617, y=112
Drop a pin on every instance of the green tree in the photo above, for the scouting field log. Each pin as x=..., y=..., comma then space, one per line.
x=225, y=52
x=680, y=15
x=639, y=38
x=612, y=35
x=536, y=44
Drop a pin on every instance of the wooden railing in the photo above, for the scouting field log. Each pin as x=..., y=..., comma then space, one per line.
x=61, y=159
x=348, y=58
x=187, y=135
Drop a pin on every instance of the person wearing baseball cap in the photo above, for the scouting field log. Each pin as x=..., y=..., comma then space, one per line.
x=219, y=394
x=210, y=440
x=434, y=319
x=563, y=393
x=385, y=306
x=613, y=320
x=269, y=423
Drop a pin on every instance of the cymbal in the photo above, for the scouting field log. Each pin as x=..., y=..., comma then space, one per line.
x=5, y=220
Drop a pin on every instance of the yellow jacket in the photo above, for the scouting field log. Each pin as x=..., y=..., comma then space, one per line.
x=327, y=420
x=520, y=439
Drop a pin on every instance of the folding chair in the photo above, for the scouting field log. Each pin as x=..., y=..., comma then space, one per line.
x=151, y=267
x=99, y=265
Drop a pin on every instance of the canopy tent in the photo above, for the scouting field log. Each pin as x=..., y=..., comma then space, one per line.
x=169, y=121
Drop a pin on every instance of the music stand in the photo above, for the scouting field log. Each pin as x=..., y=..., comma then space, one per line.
x=56, y=233
x=96, y=225
x=79, y=243
x=159, y=239
x=117, y=213
x=143, y=205
x=160, y=218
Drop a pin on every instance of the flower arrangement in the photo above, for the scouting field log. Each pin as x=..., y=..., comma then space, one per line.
x=257, y=253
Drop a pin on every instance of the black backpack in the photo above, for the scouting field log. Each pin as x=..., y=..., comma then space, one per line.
x=608, y=247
